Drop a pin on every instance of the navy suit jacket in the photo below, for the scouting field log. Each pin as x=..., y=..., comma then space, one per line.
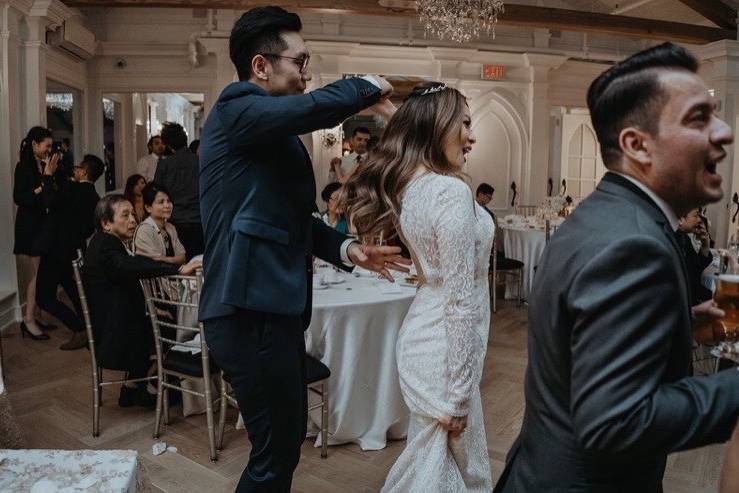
x=257, y=195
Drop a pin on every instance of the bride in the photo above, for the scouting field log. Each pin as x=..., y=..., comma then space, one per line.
x=413, y=184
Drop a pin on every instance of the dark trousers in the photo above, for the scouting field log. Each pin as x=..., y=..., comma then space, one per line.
x=191, y=236
x=54, y=271
x=263, y=356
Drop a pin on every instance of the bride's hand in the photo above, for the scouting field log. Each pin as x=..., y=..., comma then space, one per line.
x=454, y=425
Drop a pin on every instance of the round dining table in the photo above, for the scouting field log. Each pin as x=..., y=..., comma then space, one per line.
x=524, y=243
x=353, y=330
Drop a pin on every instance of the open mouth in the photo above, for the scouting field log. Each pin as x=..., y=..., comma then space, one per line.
x=711, y=167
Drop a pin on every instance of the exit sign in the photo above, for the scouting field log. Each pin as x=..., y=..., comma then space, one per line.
x=493, y=72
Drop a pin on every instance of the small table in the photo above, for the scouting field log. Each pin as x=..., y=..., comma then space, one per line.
x=70, y=470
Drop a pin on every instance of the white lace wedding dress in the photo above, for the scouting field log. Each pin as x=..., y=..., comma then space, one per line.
x=442, y=343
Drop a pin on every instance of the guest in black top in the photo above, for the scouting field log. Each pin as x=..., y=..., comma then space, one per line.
x=695, y=261
x=71, y=213
x=180, y=174
x=111, y=274
x=33, y=181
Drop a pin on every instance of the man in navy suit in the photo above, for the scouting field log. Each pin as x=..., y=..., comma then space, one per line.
x=257, y=193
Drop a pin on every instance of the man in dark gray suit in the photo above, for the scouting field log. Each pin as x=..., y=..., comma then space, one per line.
x=608, y=391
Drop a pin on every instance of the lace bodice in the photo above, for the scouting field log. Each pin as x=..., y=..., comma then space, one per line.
x=450, y=237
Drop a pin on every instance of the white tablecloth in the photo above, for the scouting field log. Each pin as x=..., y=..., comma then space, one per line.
x=42, y=471
x=353, y=331
x=526, y=245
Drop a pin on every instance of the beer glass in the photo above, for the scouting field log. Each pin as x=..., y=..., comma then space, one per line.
x=727, y=299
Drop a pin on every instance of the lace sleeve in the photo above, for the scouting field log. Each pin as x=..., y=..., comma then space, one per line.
x=456, y=243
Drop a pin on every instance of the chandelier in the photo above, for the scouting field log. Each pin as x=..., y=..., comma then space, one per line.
x=459, y=20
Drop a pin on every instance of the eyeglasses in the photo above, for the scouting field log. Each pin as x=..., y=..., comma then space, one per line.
x=301, y=62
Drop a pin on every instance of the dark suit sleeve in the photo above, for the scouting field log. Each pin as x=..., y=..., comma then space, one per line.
x=160, y=173
x=626, y=313
x=24, y=186
x=253, y=118
x=120, y=266
x=327, y=243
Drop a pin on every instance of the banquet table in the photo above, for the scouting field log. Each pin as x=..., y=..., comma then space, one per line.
x=526, y=244
x=41, y=471
x=353, y=331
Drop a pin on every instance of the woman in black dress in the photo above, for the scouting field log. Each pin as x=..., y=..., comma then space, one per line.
x=33, y=180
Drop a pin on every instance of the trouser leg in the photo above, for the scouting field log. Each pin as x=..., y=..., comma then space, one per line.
x=48, y=279
x=263, y=356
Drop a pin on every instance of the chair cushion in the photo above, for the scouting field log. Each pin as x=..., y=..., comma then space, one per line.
x=187, y=363
x=315, y=370
x=509, y=264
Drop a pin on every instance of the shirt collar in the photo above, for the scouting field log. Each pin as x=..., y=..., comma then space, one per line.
x=666, y=209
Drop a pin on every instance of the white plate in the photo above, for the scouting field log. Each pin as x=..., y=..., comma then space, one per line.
x=337, y=281
x=408, y=284
x=319, y=286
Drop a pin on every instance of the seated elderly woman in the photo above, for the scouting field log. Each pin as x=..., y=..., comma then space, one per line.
x=334, y=216
x=155, y=237
x=122, y=330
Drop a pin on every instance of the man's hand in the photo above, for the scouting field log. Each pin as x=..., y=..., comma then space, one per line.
x=378, y=259
x=191, y=267
x=335, y=163
x=386, y=88
x=385, y=108
x=454, y=425
x=706, y=326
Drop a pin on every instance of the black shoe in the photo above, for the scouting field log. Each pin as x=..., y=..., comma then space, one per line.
x=46, y=327
x=25, y=332
x=77, y=341
x=143, y=398
x=126, y=397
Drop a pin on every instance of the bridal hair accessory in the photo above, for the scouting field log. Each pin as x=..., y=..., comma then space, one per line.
x=432, y=90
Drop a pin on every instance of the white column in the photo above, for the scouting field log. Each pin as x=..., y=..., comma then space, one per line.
x=225, y=70
x=11, y=134
x=537, y=171
x=34, y=72
x=721, y=72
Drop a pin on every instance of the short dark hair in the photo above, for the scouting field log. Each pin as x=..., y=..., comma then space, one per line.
x=66, y=142
x=329, y=189
x=259, y=31
x=484, y=188
x=174, y=136
x=93, y=166
x=150, y=191
x=361, y=130
x=150, y=144
x=630, y=94
x=105, y=209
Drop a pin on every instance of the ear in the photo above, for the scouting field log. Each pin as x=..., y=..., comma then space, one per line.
x=636, y=145
x=260, y=67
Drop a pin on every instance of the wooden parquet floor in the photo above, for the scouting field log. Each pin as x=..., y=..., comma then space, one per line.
x=50, y=393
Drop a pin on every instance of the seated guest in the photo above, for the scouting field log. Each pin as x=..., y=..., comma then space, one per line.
x=692, y=225
x=155, y=237
x=334, y=216
x=111, y=274
x=134, y=186
x=194, y=147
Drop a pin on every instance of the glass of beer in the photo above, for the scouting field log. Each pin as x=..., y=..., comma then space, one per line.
x=727, y=299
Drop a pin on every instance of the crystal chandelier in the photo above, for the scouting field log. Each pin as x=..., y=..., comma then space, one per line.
x=459, y=20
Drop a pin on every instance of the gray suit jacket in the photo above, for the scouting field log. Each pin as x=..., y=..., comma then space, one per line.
x=608, y=391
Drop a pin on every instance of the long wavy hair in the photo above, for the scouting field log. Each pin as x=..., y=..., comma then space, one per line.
x=415, y=136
